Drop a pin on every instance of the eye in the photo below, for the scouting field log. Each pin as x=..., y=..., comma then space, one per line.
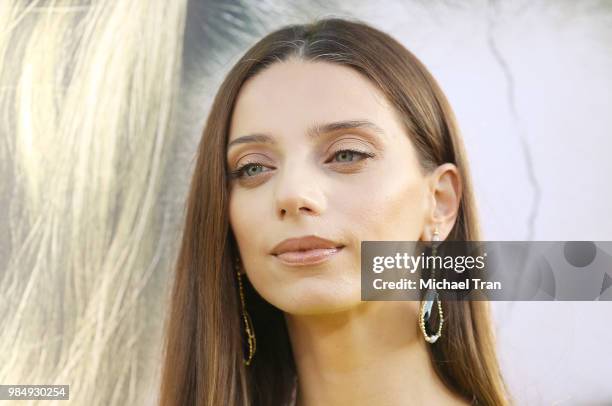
x=247, y=170
x=347, y=155
x=253, y=169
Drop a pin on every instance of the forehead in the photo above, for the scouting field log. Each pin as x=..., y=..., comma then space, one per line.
x=293, y=95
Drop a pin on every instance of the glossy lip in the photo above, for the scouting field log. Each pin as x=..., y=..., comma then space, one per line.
x=308, y=250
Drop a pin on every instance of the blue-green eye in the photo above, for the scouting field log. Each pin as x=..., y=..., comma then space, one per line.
x=350, y=153
x=253, y=169
x=247, y=170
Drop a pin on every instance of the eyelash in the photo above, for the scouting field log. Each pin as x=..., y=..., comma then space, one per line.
x=239, y=172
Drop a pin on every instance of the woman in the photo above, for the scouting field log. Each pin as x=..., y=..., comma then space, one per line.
x=322, y=136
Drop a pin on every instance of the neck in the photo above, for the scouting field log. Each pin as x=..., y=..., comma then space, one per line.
x=371, y=354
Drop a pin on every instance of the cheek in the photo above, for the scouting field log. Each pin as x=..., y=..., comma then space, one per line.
x=392, y=209
x=242, y=223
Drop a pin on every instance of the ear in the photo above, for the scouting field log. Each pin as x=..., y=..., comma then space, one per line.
x=445, y=188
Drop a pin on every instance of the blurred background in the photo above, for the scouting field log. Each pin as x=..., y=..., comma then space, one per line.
x=102, y=105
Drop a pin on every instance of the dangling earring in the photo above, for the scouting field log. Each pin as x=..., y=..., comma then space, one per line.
x=430, y=297
x=248, y=323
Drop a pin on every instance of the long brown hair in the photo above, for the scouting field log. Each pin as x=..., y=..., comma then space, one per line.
x=204, y=349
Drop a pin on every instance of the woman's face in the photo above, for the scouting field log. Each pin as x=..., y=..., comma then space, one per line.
x=301, y=181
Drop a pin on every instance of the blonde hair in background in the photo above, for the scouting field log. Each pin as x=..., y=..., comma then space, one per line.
x=87, y=100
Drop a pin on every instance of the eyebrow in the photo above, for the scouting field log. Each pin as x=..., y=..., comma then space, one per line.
x=313, y=131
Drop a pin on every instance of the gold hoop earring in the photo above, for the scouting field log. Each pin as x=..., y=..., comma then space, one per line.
x=248, y=323
x=431, y=297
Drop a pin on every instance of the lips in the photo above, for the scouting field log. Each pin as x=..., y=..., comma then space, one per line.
x=308, y=250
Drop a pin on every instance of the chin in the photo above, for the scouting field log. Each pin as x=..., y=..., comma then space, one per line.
x=318, y=297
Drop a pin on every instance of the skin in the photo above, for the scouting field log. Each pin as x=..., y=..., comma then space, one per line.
x=346, y=351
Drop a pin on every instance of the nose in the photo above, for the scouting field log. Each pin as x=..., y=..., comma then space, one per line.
x=299, y=192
